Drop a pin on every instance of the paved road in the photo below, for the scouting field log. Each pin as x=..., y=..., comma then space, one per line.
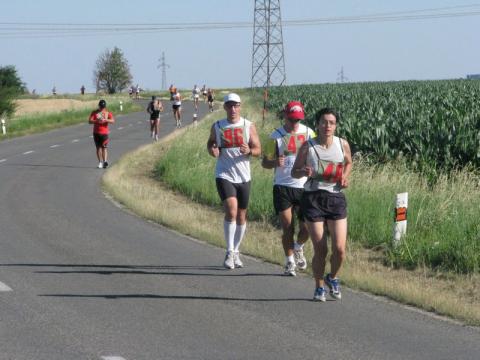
x=82, y=279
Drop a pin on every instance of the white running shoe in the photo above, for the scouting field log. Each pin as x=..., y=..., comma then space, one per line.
x=236, y=260
x=289, y=269
x=100, y=165
x=300, y=259
x=229, y=260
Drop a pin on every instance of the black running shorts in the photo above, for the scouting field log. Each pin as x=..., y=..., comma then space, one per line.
x=240, y=191
x=322, y=205
x=176, y=107
x=101, y=140
x=285, y=197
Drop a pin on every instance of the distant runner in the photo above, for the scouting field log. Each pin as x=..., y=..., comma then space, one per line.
x=196, y=96
x=100, y=119
x=210, y=98
x=204, y=93
x=154, y=108
x=232, y=142
x=177, y=108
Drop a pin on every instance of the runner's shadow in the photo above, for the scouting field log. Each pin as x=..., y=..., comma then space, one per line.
x=172, y=270
x=175, y=297
x=49, y=166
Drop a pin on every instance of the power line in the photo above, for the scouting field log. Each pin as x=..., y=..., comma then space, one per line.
x=38, y=30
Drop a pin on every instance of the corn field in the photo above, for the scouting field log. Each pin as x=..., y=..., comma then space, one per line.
x=434, y=124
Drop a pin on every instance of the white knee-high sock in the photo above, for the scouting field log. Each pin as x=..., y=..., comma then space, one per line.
x=239, y=233
x=229, y=234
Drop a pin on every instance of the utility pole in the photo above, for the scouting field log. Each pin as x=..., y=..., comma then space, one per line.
x=268, y=64
x=341, y=76
x=164, y=67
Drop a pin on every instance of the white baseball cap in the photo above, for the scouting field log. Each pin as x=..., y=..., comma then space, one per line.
x=231, y=97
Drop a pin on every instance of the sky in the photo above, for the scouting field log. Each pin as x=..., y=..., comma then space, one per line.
x=425, y=48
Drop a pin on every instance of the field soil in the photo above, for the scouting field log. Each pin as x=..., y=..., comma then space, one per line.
x=33, y=106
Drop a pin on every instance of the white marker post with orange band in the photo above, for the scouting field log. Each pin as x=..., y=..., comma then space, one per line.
x=400, y=227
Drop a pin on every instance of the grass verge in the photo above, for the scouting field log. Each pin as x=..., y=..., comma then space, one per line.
x=131, y=181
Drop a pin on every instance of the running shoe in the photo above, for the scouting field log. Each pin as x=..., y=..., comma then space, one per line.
x=105, y=164
x=229, y=260
x=236, y=260
x=289, y=269
x=300, y=260
x=100, y=165
x=319, y=294
x=334, y=286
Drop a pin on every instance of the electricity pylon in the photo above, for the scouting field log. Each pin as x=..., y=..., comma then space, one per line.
x=268, y=64
x=164, y=67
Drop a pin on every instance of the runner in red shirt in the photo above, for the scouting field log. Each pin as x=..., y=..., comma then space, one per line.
x=100, y=119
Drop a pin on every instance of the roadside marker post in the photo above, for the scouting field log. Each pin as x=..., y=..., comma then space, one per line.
x=4, y=128
x=400, y=226
x=121, y=105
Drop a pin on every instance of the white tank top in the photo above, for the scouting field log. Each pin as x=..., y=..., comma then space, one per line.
x=176, y=99
x=328, y=165
x=288, y=144
x=232, y=165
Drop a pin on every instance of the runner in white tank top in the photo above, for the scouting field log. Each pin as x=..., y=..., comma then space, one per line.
x=279, y=154
x=327, y=162
x=232, y=141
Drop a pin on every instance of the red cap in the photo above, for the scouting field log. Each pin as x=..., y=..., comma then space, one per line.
x=294, y=110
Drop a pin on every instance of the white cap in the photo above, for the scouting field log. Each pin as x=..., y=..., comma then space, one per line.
x=231, y=97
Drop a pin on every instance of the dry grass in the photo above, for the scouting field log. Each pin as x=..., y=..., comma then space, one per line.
x=33, y=106
x=131, y=183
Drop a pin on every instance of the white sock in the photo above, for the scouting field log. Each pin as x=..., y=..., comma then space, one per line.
x=229, y=229
x=239, y=233
x=289, y=258
x=297, y=246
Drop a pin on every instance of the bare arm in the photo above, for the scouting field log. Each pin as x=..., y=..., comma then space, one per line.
x=348, y=163
x=212, y=145
x=300, y=168
x=253, y=147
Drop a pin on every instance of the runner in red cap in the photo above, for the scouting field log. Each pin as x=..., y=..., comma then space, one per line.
x=280, y=153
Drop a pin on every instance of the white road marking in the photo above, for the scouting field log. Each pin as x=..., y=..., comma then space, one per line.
x=54, y=146
x=28, y=152
x=4, y=287
x=139, y=122
x=75, y=140
x=120, y=128
x=112, y=358
x=3, y=160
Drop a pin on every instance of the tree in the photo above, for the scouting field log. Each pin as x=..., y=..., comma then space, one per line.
x=10, y=87
x=112, y=73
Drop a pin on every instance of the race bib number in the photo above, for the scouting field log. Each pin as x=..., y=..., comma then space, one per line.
x=292, y=143
x=231, y=137
x=329, y=172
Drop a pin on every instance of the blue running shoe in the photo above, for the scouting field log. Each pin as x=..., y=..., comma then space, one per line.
x=334, y=286
x=319, y=294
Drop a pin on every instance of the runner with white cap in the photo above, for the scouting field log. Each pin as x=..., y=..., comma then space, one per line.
x=232, y=141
